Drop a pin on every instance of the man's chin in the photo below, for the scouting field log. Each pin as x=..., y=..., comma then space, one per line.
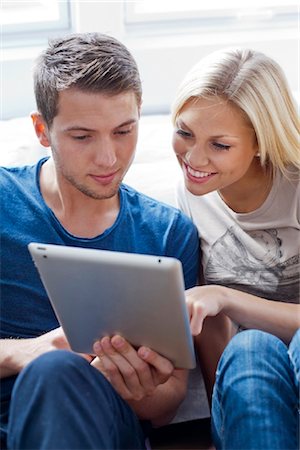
x=101, y=194
x=96, y=192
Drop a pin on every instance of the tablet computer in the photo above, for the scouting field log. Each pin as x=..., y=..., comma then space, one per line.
x=98, y=292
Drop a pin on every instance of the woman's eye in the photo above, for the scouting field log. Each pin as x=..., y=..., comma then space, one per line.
x=219, y=146
x=183, y=133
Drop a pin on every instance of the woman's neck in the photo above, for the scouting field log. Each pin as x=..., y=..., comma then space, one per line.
x=250, y=192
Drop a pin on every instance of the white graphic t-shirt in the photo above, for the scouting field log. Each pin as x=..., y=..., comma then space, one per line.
x=256, y=252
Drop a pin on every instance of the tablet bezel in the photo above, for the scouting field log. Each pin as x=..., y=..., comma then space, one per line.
x=152, y=311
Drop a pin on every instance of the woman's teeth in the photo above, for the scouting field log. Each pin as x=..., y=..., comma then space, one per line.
x=197, y=174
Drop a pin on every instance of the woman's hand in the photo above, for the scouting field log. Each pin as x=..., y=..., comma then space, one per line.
x=203, y=301
x=247, y=310
x=134, y=374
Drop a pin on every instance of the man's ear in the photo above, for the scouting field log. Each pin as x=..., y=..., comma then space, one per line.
x=41, y=129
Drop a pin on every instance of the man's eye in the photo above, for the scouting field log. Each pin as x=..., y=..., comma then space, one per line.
x=183, y=133
x=122, y=132
x=81, y=137
x=219, y=146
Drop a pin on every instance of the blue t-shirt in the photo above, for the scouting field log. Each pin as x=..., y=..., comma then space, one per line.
x=143, y=225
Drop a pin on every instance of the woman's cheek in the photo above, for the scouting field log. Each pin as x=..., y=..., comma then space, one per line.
x=178, y=146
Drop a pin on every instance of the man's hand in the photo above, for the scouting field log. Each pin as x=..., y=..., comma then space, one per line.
x=53, y=340
x=15, y=354
x=56, y=340
x=134, y=374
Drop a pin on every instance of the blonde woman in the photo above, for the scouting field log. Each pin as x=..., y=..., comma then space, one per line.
x=236, y=137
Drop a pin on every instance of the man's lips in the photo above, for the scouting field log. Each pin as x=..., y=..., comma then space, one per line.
x=104, y=178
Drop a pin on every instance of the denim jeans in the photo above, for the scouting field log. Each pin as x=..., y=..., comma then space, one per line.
x=256, y=394
x=59, y=401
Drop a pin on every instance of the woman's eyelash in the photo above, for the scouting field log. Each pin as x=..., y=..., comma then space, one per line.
x=216, y=145
x=183, y=133
x=220, y=146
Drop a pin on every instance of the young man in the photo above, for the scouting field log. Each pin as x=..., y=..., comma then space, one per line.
x=88, y=94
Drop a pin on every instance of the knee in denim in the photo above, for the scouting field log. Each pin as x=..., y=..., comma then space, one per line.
x=55, y=363
x=253, y=344
x=295, y=342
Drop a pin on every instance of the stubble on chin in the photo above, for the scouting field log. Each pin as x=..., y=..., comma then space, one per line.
x=96, y=196
x=107, y=191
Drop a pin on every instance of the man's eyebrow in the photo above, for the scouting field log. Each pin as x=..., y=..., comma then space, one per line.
x=81, y=128
x=127, y=122
x=78, y=128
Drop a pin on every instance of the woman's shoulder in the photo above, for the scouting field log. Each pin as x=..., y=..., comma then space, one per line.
x=288, y=182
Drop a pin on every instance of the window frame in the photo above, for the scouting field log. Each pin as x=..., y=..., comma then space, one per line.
x=37, y=32
x=259, y=17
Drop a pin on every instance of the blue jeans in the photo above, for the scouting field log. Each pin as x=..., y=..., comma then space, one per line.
x=256, y=394
x=59, y=401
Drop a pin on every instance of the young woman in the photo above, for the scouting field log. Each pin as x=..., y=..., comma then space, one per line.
x=236, y=137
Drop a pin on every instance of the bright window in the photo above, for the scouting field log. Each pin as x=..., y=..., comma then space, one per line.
x=26, y=21
x=211, y=13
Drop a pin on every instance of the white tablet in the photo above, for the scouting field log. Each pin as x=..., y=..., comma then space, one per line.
x=97, y=292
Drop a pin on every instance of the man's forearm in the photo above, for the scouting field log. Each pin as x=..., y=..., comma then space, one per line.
x=15, y=354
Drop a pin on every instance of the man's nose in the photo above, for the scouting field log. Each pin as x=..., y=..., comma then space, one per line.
x=105, y=154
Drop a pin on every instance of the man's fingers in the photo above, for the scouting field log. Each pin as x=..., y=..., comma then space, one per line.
x=135, y=363
x=163, y=367
x=127, y=372
x=108, y=362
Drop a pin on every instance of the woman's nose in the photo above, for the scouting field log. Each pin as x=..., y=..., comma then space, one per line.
x=196, y=157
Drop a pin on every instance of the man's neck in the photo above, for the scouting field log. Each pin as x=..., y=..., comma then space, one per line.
x=80, y=215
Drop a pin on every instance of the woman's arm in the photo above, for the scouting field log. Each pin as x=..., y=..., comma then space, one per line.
x=223, y=310
x=279, y=318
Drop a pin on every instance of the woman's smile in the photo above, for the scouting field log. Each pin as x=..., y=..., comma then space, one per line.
x=197, y=175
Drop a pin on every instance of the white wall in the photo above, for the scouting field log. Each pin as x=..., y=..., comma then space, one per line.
x=163, y=58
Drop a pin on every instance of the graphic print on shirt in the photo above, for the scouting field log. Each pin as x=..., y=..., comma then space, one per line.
x=252, y=262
